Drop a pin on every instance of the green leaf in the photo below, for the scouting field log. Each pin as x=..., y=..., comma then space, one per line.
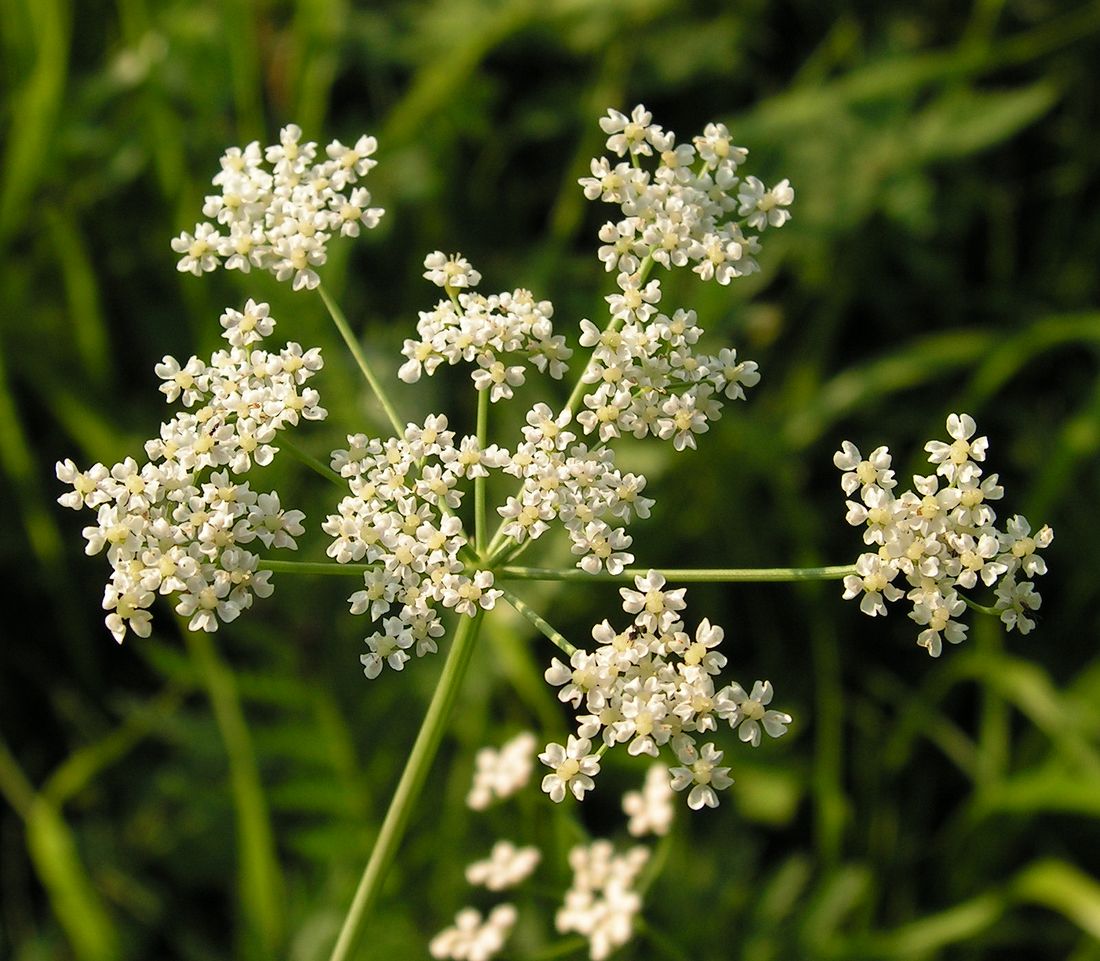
x=966, y=121
x=72, y=894
x=1064, y=888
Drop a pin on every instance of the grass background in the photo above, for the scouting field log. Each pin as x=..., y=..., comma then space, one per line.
x=194, y=797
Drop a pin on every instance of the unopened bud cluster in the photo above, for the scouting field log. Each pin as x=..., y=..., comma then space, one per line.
x=179, y=523
x=940, y=538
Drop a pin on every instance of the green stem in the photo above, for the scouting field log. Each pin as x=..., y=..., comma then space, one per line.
x=509, y=552
x=555, y=637
x=991, y=611
x=314, y=567
x=481, y=530
x=644, y=270
x=312, y=462
x=716, y=575
x=356, y=349
x=580, y=386
x=330, y=568
x=409, y=787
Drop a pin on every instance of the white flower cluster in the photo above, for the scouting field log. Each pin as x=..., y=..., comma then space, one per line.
x=649, y=686
x=471, y=938
x=497, y=333
x=939, y=537
x=651, y=382
x=501, y=773
x=581, y=487
x=693, y=208
x=505, y=867
x=167, y=528
x=280, y=216
x=400, y=518
x=675, y=214
x=650, y=809
x=602, y=902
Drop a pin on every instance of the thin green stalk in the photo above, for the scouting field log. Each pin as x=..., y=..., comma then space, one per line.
x=554, y=636
x=644, y=270
x=716, y=575
x=356, y=349
x=314, y=567
x=580, y=385
x=507, y=553
x=991, y=611
x=312, y=462
x=409, y=787
x=481, y=529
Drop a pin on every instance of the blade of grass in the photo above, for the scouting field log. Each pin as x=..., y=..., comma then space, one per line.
x=85, y=309
x=34, y=108
x=260, y=881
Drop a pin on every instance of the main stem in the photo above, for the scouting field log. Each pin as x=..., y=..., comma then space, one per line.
x=409, y=787
x=356, y=349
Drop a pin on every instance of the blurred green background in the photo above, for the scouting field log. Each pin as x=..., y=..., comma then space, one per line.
x=200, y=797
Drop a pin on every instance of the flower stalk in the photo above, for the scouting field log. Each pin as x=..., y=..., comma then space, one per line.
x=356, y=349
x=554, y=636
x=409, y=787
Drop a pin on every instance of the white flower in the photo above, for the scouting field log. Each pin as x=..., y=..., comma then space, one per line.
x=655, y=607
x=1020, y=546
x=281, y=218
x=874, y=471
x=389, y=648
x=751, y=715
x=872, y=580
x=167, y=531
x=452, y=272
x=249, y=326
x=573, y=768
x=631, y=134
x=941, y=536
x=765, y=208
x=703, y=776
x=467, y=594
x=199, y=250
x=954, y=460
x=1015, y=601
x=937, y=611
